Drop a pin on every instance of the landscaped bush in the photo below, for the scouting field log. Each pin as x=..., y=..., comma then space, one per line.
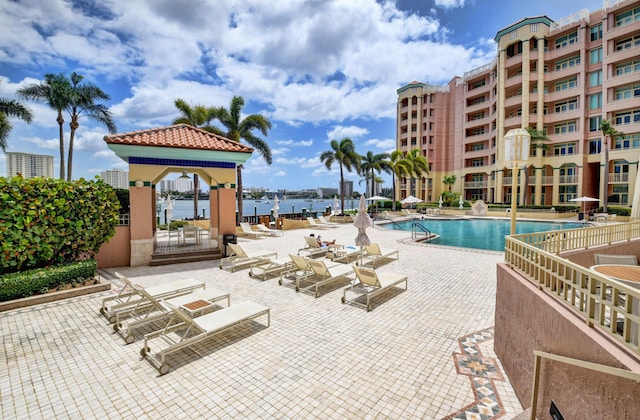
x=32, y=282
x=47, y=222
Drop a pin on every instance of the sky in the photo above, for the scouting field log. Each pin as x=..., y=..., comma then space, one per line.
x=318, y=69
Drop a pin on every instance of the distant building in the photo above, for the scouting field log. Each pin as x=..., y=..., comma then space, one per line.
x=348, y=188
x=327, y=192
x=117, y=178
x=183, y=184
x=29, y=165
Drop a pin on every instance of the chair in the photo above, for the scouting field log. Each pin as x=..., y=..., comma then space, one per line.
x=314, y=224
x=240, y=257
x=323, y=274
x=190, y=232
x=616, y=259
x=373, y=253
x=409, y=213
x=270, y=232
x=299, y=269
x=198, y=329
x=324, y=221
x=248, y=231
x=269, y=266
x=313, y=248
x=203, y=300
x=130, y=299
x=374, y=282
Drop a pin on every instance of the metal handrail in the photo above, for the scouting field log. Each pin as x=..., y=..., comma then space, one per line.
x=414, y=234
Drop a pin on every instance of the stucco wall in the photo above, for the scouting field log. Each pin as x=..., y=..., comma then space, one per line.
x=586, y=257
x=116, y=252
x=526, y=320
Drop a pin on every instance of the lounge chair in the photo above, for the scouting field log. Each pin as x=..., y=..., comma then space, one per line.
x=313, y=248
x=270, y=232
x=195, y=330
x=248, y=231
x=409, y=213
x=345, y=254
x=324, y=221
x=374, y=254
x=268, y=266
x=299, y=269
x=240, y=257
x=201, y=300
x=129, y=300
x=616, y=259
x=374, y=282
x=323, y=274
x=314, y=224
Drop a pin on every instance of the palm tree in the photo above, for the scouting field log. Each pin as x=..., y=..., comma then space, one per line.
x=239, y=129
x=11, y=108
x=449, y=180
x=539, y=142
x=370, y=163
x=344, y=153
x=419, y=166
x=55, y=91
x=83, y=103
x=198, y=116
x=608, y=131
x=400, y=168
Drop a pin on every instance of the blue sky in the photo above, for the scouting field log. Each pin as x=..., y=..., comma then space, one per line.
x=319, y=70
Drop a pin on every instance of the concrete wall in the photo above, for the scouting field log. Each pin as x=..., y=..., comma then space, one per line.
x=527, y=319
x=116, y=252
x=586, y=257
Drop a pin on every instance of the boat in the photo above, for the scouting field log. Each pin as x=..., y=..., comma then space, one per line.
x=266, y=199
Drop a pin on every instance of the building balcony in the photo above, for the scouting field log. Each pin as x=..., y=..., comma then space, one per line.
x=623, y=55
x=476, y=184
x=473, y=154
x=513, y=81
x=513, y=101
x=555, y=117
x=618, y=178
x=547, y=180
x=564, y=137
x=486, y=121
x=479, y=90
x=554, y=96
x=486, y=136
x=623, y=79
x=628, y=128
x=621, y=105
x=471, y=109
x=568, y=179
x=569, y=50
x=622, y=31
x=512, y=122
x=512, y=61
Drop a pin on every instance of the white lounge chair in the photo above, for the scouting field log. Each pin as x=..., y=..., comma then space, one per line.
x=198, y=329
x=248, y=231
x=298, y=270
x=270, y=232
x=374, y=254
x=313, y=248
x=240, y=257
x=324, y=221
x=269, y=266
x=374, y=282
x=314, y=224
x=203, y=299
x=129, y=300
x=324, y=274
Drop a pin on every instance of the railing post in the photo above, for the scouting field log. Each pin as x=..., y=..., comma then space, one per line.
x=535, y=387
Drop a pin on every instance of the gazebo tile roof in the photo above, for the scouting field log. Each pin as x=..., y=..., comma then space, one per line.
x=178, y=136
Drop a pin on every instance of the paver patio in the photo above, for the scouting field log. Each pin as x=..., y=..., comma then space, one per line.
x=410, y=357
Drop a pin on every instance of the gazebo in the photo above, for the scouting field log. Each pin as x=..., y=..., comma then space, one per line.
x=156, y=152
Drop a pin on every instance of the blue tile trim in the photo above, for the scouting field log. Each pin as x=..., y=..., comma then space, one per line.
x=181, y=162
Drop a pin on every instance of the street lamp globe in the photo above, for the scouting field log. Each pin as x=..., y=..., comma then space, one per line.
x=516, y=154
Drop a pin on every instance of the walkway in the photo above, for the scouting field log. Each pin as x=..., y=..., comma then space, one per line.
x=422, y=353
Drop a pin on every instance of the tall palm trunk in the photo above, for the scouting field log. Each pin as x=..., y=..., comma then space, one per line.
x=239, y=196
x=60, y=120
x=74, y=126
x=341, y=188
x=393, y=182
x=605, y=181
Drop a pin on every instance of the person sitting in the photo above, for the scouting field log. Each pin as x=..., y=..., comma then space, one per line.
x=325, y=243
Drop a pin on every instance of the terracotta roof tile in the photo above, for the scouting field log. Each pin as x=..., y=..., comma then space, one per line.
x=178, y=136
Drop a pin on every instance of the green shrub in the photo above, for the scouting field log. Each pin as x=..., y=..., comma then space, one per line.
x=32, y=282
x=45, y=222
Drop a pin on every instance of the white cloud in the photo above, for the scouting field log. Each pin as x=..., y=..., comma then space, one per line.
x=449, y=4
x=339, y=132
x=305, y=143
x=386, y=144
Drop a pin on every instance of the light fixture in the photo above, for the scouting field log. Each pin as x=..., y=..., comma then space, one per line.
x=139, y=183
x=227, y=185
x=516, y=153
x=184, y=175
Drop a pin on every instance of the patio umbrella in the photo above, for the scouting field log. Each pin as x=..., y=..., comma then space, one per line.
x=276, y=207
x=362, y=222
x=336, y=205
x=583, y=200
x=461, y=202
x=440, y=202
x=411, y=200
x=375, y=199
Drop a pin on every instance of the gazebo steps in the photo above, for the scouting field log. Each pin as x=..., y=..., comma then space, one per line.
x=184, y=257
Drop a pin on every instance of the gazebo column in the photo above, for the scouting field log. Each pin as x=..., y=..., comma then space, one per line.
x=140, y=224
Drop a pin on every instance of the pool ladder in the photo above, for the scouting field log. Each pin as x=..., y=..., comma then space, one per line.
x=415, y=227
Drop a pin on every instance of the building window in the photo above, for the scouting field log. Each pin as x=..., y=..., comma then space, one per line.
x=566, y=106
x=628, y=67
x=568, y=39
x=595, y=78
x=568, y=62
x=627, y=43
x=477, y=131
x=595, y=146
x=477, y=162
x=595, y=101
x=513, y=34
x=594, y=123
x=628, y=141
x=596, y=32
x=566, y=193
x=533, y=27
x=627, y=117
x=595, y=56
x=566, y=84
x=627, y=92
x=628, y=17
x=565, y=127
x=564, y=149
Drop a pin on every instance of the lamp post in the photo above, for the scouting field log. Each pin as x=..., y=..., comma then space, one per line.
x=516, y=153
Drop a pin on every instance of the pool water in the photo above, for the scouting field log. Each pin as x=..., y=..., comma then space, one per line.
x=478, y=233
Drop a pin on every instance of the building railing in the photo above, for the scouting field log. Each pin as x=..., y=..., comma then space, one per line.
x=614, y=177
x=578, y=16
x=603, y=302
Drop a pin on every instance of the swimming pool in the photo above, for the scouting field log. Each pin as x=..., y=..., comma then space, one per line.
x=478, y=233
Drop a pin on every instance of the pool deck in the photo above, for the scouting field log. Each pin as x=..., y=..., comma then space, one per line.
x=426, y=352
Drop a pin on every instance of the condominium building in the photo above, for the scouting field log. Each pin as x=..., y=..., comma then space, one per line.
x=117, y=178
x=562, y=78
x=29, y=165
